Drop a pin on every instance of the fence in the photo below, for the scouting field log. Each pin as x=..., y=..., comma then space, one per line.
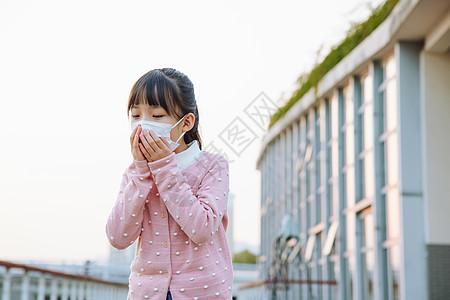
x=24, y=282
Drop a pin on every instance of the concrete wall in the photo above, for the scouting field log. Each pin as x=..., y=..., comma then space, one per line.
x=436, y=126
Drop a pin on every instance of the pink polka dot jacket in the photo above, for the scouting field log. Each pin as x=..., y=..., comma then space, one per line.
x=178, y=218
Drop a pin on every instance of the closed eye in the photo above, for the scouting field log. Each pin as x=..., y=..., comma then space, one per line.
x=137, y=116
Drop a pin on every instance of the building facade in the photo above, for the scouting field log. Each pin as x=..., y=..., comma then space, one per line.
x=361, y=166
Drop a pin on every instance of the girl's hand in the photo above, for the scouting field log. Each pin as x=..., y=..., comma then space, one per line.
x=153, y=147
x=134, y=141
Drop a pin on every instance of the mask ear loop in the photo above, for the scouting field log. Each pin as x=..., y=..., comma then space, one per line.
x=176, y=125
x=180, y=137
x=178, y=122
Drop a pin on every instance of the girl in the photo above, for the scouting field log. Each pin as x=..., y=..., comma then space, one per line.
x=172, y=203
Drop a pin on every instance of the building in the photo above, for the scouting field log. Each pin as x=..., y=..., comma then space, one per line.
x=355, y=175
x=26, y=281
x=244, y=274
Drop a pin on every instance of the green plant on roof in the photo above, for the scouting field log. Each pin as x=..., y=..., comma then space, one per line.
x=354, y=37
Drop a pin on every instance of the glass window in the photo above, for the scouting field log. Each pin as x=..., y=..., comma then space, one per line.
x=317, y=166
x=334, y=273
x=350, y=185
x=310, y=247
x=304, y=217
x=366, y=250
x=348, y=125
x=288, y=166
x=392, y=159
x=391, y=190
x=359, y=138
x=282, y=172
x=323, y=160
x=391, y=94
x=331, y=236
x=368, y=137
x=392, y=214
x=391, y=137
x=299, y=216
x=368, y=116
x=334, y=126
x=292, y=166
x=276, y=198
x=349, y=138
x=309, y=165
x=369, y=179
x=350, y=236
x=318, y=254
x=294, y=181
x=394, y=267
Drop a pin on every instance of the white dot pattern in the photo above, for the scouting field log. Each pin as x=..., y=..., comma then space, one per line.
x=169, y=231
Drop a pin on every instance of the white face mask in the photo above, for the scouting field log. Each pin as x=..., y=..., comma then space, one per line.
x=160, y=129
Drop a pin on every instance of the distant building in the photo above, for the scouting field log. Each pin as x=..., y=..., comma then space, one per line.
x=230, y=213
x=26, y=281
x=122, y=257
x=362, y=166
x=242, y=275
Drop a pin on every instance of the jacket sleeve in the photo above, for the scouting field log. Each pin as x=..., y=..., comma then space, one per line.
x=199, y=217
x=124, y=223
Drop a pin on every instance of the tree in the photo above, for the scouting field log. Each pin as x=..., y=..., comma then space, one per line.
x=244, y=257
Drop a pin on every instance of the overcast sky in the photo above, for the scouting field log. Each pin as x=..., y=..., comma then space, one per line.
x=66, y=69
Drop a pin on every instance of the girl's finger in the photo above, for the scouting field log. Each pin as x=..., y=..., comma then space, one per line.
x=135, y=144
x=147, y=144
x=135, y=137
x=165, y=142
x=160, y=143
x=145, y=152
x=156, y=139
x=133, y=134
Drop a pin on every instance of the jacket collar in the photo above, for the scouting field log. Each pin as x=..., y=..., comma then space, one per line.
x=187, y=157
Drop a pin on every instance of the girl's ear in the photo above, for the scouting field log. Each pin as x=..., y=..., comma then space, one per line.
x=191, y=121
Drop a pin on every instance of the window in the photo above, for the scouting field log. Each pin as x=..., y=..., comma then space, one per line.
x=288, y=170
x=349, y=140
x=310, y=247
x=282, y=186
x=359, y=138
x=333, y=144
x=391, y=168
x=366, y=251
x=317, y=167
x=318, y=268
x=303, y=184
x=331, y=236
x=367, y=137
x=298, y=149
x=394, y=270
x=308, y=170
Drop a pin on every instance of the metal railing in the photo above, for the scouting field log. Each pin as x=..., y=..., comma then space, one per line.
x=24, y=282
